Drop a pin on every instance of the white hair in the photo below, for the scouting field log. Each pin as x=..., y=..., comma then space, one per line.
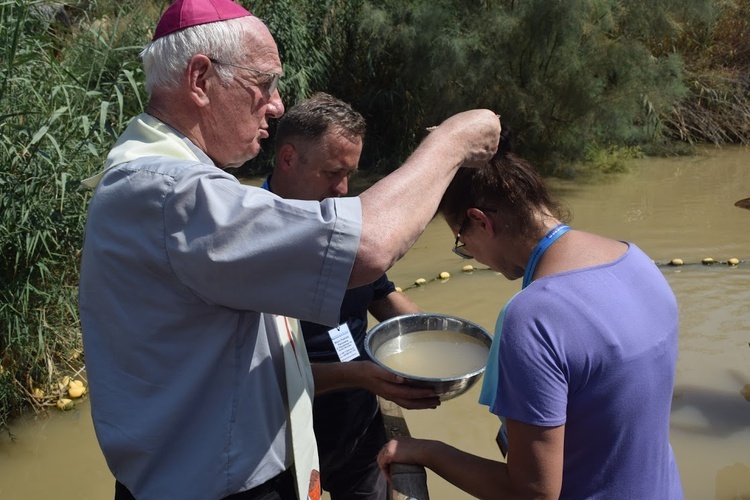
x=165, y=59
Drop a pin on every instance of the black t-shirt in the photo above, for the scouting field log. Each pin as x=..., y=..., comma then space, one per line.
x=354, y=313
x=341, y=417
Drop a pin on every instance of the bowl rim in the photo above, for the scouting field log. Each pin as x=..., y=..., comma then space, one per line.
x=417, y=378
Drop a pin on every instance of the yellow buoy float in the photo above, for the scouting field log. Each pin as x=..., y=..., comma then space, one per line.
x=444, y=275
x=708, y=261
x=676, y=262
x=76, y=389
x=76, y=392
x=467, y=268
x=65, y=404
x=733, y=261
x=745, y=391
x=420, y=282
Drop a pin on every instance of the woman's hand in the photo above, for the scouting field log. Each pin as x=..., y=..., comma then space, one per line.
x=402, y=450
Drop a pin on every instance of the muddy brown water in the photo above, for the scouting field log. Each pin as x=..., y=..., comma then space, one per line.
x=672, y=208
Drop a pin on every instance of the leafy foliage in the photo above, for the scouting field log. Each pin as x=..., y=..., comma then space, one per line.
x=562, y=74
x=64, y=102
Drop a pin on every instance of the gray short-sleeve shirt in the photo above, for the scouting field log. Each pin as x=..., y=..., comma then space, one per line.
x=182, y=268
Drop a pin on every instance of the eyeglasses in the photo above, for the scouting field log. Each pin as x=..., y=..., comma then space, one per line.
x=273, y=83
x=458, y=247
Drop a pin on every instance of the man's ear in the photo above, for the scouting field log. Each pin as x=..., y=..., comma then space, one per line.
x=201, y=75
x=287, y=157
x=482, y=220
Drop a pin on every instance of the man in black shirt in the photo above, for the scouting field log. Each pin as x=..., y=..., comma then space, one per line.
x=318, y=144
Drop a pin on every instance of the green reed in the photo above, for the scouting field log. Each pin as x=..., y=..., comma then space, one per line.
x=66, y=92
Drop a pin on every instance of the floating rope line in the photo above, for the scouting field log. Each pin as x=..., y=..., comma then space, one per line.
x=468, y=269
x=441, y=277
x=708, y=261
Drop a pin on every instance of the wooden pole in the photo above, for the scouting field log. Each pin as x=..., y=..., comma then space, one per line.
x=409, y=481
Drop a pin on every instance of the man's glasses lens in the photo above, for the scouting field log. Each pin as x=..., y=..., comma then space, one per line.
x=272, y=82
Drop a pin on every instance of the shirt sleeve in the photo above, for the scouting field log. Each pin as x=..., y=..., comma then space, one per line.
x=382, y=288
x=246, y=248
x=532, y=386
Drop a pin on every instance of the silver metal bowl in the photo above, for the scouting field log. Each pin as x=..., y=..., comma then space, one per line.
x=400, y=326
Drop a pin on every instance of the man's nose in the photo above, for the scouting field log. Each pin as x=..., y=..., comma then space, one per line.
x=275, y=105
x=341, y=187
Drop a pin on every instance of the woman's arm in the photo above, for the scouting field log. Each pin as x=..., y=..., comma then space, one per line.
x=533, y=470
x=535, y=459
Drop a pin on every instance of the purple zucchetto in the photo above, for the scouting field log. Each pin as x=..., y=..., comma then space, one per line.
x=185, y=13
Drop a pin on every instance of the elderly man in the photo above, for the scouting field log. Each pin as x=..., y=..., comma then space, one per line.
x=199, y=386
x=318, y=144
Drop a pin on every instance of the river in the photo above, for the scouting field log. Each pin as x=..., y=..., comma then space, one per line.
x=671, y=208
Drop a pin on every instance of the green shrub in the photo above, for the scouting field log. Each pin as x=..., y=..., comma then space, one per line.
x=609, y=160
x=561, y=74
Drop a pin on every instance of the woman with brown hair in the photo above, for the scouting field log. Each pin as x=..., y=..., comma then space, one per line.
x=581, y=370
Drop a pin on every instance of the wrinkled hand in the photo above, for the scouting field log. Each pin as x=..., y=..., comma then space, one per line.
x=476, y=133
x=393, y=388
x=400, y=450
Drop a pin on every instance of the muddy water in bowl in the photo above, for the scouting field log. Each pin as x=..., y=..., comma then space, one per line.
x=433, y=354
x=445, y=353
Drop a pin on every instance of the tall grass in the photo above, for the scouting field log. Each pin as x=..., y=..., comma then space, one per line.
x=66, y=92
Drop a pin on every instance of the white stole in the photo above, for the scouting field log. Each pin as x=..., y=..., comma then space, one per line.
x=300, y=390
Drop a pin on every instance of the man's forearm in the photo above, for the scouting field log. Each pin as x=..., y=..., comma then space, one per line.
x=333, y=376
x=396, y=209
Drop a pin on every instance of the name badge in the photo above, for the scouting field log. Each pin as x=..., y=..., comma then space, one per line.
x=343, y=341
